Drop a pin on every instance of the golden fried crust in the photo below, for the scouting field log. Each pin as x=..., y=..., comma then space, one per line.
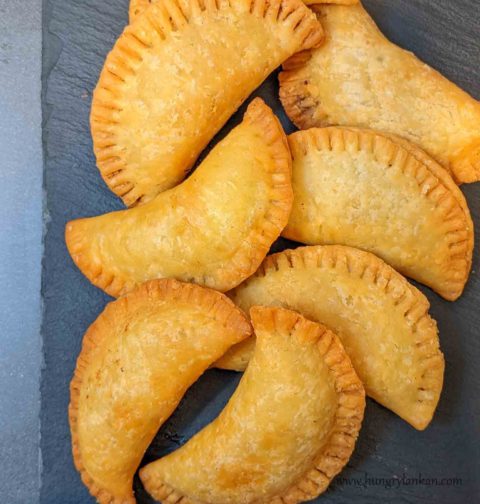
x=137, y=7
x=214, y=229
x=138, y=359
x=382, y=194
x=382, y=320
x=390, y=90
x=290, y=427
x=174, y=78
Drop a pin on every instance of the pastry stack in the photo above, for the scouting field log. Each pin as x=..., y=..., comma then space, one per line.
x=369, y=184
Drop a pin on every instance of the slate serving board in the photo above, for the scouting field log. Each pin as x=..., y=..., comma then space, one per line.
x=392, y=462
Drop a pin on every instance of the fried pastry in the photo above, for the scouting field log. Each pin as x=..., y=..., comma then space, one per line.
x=214, y=229
x=382, y=320
x=359, y=78
x=371, y=191
x=137, y=7
x=176, y=76
x=289, y=428
x=138, y=359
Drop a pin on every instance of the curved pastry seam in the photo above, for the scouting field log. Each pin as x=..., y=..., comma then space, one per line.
x=306, y=111
x=320, y=257
x=103, y=121
x=432, y=187
x=333, y=456
x=160, y=289
x=246, y=258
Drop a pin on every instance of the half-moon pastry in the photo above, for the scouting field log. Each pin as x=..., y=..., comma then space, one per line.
x=289, y=428
x=137, y=7
x=359, y=78
x=371, y=191
x=176, y=76
x=382, y=321
x=214, y=229
x=138, y=359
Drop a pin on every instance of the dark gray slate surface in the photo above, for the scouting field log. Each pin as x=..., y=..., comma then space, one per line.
x=78, y=34
x=21, y=173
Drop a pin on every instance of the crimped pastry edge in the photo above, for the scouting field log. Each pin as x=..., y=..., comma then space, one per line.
x=163, y=18
x=305, y=113
x=434, y=181
x=137, y=7
x=262, y=117
x=251, y=251
x=218, y=305
x=407, y=298
x=337, y=451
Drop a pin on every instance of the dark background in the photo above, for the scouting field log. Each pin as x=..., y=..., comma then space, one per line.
x=77, y=36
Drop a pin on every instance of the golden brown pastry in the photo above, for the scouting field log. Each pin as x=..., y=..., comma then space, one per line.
x=138, y=359
x=382, y=320
x=368, y=190
x=290, y=427
x=176, y=76
x=137, y=7
x=359, y=78
x=214, y=229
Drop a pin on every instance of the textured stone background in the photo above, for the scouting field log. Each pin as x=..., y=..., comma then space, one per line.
x=21, y=173
x=77, y=36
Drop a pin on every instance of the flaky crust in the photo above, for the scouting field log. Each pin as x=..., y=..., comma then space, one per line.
x=139, y=308
x=214, y=229
x=367, y=303
x=309, y=343
x=434, y=248
x=390, y=90
x=174, y=78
